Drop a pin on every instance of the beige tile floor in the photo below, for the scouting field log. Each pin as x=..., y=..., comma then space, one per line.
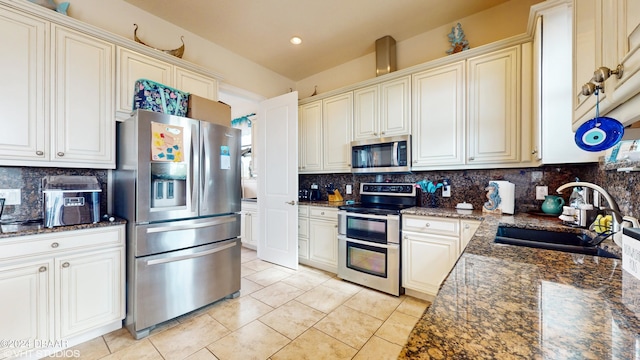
x=280, y=314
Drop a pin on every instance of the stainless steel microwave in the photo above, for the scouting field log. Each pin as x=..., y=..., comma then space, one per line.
x=384, y=155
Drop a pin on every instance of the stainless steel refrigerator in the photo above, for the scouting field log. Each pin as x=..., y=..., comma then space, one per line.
x=177, y=183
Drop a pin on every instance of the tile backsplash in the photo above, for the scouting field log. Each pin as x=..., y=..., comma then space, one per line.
x=469, y=185
x=29, y=180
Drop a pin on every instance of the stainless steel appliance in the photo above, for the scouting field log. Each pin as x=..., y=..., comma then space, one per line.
x=70, y=200
x=383, y=155
x=177, y=183
x=369, y=250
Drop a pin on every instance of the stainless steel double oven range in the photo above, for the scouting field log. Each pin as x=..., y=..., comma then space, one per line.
x=369, y=236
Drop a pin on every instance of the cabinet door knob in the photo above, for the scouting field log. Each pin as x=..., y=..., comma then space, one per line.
x=382, y=133
x=471, y=158
x=466, y=226
x=534, y=151
x=427, y=225
x=42, y=269
x=375, y=134
x=55, y=245
x=415, y=161
x=39, y=153
x=322, y=213
x=65, y=264
x=60, y=153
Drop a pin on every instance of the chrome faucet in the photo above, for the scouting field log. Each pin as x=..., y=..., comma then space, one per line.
x=619, y=220
x=617, y=215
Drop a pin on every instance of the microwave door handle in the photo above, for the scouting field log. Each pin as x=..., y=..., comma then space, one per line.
x=396, y=154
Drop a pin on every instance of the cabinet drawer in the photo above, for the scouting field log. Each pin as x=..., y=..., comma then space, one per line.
x=431, y=225
x=45, y=244
x=303, y=228
x=323, y=213
x=303, y=210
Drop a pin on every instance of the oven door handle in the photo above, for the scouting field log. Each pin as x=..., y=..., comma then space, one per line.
x=369, y=243
x=368, y=216
x=190, y=256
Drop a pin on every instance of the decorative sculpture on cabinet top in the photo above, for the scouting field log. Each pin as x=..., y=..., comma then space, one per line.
x=175, y=52
x=457, y=40
x=50, y=4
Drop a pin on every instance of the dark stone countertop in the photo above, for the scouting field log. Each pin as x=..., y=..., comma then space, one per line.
x=513, y=302
x=13, y=230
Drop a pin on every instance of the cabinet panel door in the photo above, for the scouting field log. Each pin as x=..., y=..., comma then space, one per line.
x=310, y=138
x=494, y=111
x=337, y=124
x=133, y=66
x=366, y=116
x=426, y=261
x=91, y=291
x=395, y=107
x=469, y=228
x=323, y=243
x=83, y=123
x=196, y=84
x=438, y=116
x=27, y=302
x=23, y=70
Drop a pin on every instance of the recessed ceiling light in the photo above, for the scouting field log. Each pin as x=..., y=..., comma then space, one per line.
x=295, y=40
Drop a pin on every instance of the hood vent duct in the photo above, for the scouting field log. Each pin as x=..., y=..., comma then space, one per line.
x=385, y=55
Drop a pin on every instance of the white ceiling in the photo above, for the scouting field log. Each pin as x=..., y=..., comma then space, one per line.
x=333, y=31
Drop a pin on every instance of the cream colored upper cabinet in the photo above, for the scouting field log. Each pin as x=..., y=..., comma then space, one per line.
x=82, y=122
x=196, y=84
x=395, y=107
x=439, y=116
x=310, y=137
x=23, y=70
x=494, y=107
x=337, y=120
x=366, y=113
x=131, y=67
x=382, y=110
x=606, y=33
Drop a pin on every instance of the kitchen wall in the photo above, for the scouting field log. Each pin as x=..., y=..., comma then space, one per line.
x=29, y=179
x=468, y=185
x=497, y=23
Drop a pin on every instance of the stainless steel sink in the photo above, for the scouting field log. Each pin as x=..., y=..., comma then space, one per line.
x=551, y=240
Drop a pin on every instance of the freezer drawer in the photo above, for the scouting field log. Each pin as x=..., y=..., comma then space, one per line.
x=175, y=235
x=172, y=284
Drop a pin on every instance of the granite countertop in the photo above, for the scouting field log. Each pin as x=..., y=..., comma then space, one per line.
x=324, y=203
x=512, y=302
x=13, y=230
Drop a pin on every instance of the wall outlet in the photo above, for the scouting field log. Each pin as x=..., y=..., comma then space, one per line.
x=348, y=190
x=446, y=191
x=541, y=192
x=11, y=196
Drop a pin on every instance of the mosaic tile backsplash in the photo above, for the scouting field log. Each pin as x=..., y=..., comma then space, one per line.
x=29, y=180
x=469, y=185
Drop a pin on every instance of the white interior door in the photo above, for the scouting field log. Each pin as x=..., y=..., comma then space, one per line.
x=277, y=144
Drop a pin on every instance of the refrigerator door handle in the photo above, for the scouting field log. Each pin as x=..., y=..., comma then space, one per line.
x=190, y=256
x=206, y=166
x=193, y=161
x=220, y=221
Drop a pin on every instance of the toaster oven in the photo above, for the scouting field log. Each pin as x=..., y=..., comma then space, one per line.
x=70, y=200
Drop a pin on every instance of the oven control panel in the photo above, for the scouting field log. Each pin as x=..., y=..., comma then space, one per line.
x=388, y=189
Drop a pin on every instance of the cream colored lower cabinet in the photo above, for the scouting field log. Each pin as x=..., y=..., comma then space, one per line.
x=303, y=232
x=323, y=239
x=430, y=249
x=249, y=225
x=65, y=288
x=467, y=229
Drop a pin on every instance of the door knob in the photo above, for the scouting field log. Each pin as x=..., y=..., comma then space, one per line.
x=60, y=153
x=292, y=202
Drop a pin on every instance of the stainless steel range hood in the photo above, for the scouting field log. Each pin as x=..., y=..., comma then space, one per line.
x=385, y=55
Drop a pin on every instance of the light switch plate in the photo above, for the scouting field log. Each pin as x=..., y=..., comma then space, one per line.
x=446, y=191
x=541, y=192
x=348, y=189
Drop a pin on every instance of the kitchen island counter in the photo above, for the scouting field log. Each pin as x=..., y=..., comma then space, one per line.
x=504, y=301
